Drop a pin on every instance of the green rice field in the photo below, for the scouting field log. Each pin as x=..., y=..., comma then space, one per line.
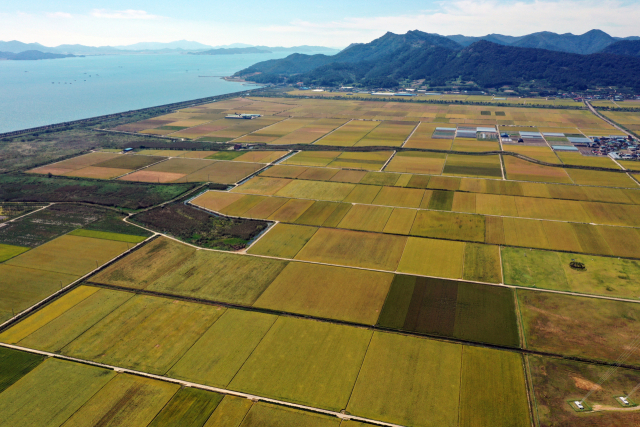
x=456, y=309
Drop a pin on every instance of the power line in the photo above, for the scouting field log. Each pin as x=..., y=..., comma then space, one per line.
x=607, y=375
x=632, y=391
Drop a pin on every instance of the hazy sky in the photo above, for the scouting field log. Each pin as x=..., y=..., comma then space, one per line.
x=293, y=22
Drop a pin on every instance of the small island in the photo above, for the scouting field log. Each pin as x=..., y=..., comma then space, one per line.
x=32, y=55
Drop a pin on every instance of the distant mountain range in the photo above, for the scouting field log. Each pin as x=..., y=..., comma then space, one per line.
x=151, y=47
x=438, y=59
x=590, y=42
x=264, y=49
x=180, y=44
x=31, y=55
x=231, y=51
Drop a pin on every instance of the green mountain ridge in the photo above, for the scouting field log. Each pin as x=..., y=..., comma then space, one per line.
x=590, y=42
x=624, y=47
x=417, y=55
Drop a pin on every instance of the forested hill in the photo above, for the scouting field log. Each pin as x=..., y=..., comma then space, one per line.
x=490, y=64
x=590, y=42
x=389, y=44
x=624, y=47
x=417, y=55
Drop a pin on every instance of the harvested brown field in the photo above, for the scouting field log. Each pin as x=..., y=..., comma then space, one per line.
x=151, y=176
x=51, y=169
x=216, y=200
x=180, y=165
x=578, y=326
x=97, y=172
x=78, y=162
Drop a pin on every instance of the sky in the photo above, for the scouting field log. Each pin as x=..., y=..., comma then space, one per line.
x=334, y=23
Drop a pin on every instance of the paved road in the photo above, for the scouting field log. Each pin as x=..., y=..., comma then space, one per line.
x=594, y=111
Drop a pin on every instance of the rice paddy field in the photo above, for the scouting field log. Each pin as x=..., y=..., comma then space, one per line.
x=629, y=120
x=372, y=160
x=474, y=166
x=520, y=170
x=167, y=169
x=405, y=276
x=417, y=163
x=567, y=225
x=349, y=134
x=389, y=134
x=30, y=274
x=448, y=308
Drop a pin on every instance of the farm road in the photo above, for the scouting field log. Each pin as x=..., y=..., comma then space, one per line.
x=224, y=391
x=611, y=122
x=71, y=285
x=428, y=209
x=22, y=216
x=244, y=253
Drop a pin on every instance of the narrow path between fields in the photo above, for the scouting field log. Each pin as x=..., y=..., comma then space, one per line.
x=413, y=208
x=224, y=391
x=607, y=408
x=71, y=285
x=3, y=224
x=244, y=253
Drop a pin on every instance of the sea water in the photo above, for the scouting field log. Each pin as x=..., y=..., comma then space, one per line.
x=37, y=93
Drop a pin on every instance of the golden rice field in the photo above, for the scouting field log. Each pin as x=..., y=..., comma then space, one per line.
x=407, y=273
